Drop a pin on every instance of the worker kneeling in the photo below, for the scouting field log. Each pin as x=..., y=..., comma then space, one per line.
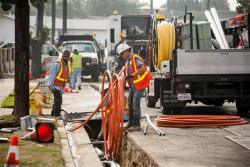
x=138, y=78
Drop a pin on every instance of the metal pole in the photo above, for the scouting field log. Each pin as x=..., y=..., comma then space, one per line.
x=208, y=4
x=191, y=30
x=248, y=24
x=53, y=21
x=64, y=17
x=151, y=7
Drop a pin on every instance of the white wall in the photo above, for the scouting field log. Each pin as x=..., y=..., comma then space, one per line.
x=99, y=25
x=7, y=29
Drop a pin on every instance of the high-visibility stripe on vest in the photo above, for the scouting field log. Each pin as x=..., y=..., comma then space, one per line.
x=140, y=81
x=77, y=60
x=63, y=75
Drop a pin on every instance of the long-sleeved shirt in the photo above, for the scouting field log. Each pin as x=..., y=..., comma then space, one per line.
x=138, y=62
x=53, y=74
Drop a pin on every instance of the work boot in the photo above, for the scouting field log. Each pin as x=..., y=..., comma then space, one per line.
x=52, y=113
x=134, y=128
x=127, y=126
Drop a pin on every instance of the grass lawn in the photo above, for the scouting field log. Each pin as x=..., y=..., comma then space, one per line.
x=8, y=102
x=35, y=154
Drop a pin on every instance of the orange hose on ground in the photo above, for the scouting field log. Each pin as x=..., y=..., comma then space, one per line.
x=198, y=120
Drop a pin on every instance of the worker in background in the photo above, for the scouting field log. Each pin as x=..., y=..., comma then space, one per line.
x=60, y=74
x=138, y=78
x=77, y=68
x=240, y=19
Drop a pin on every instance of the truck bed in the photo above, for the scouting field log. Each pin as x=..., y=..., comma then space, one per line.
x=200, y=62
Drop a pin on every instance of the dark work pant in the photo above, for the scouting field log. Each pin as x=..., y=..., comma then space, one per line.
x=134, y=103
x=57, y=103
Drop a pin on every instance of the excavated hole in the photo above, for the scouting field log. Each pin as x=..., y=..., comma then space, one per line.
x=132, y=155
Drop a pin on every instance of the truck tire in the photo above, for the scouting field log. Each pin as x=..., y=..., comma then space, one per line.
x=218, y=103
x=172, y=110
x=242, y=108
x=167, y=110
x=215, y=102
x=95, y=76
x=150, y=101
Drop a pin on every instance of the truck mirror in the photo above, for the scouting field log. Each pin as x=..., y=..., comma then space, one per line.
x=53, y=53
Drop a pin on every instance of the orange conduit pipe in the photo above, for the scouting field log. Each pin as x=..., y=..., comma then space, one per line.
x=112, y=109
x=112, y=114
x=198, y=120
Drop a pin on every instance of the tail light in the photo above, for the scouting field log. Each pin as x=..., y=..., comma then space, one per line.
x=181, y=85
x=168, y=75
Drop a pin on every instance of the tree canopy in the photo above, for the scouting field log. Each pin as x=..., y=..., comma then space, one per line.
x=82, y=8
x=195, y=5
x=245, y=5
x=106, y=7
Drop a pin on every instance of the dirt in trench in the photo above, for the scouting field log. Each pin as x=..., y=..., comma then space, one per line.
x=133, y=155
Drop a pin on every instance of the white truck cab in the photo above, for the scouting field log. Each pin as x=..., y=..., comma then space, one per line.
x=89, y=53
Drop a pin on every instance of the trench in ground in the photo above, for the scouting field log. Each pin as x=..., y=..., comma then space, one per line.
x=132, y=155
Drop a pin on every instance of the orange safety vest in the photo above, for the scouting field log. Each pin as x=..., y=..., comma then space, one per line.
x=63, y=75
x=140, y=81
x=240, y=17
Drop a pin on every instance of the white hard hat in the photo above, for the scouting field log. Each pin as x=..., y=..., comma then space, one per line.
x=122, y=47
x=75, y=48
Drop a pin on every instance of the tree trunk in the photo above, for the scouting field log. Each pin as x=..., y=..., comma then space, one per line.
x=38, y=42
x=21, y=106
x=36, y=67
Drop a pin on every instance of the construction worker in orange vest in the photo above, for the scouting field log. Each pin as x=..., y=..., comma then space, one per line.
x=240, y=19
x=60, y=74
x=138, y=78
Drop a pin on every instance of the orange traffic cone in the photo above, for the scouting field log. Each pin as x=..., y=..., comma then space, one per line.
x=45, y=99
x=12, y=159
x=47, y=75
x=30, y=136
x=40, y=111
x=30, y=75
x=74, y=91
x=66, y=89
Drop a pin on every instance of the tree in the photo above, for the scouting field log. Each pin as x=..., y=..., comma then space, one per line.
x=37, y=42
x=244, y=5
x=76, y=8
x=196, y=5
x=21, y=103
x=106, y=7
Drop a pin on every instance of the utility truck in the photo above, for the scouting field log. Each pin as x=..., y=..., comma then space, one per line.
x=194, y=71
x=131, y=29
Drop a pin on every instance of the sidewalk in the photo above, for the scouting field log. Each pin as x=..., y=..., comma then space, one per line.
x=6, y=87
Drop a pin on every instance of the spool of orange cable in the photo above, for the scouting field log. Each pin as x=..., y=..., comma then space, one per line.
x=198, y=120
x=112, y=109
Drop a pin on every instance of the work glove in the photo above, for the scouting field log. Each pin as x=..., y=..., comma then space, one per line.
x=51, y=88
x=128, y=77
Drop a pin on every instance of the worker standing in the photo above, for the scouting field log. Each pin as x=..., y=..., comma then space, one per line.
x=240, y=19
x=60, y=74
x=138, y=78
x=77, y=68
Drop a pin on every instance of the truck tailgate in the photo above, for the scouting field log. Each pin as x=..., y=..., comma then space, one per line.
x=213, y=61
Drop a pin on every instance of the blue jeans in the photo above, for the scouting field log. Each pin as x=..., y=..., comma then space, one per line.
x=134, y=103
x=76, y=77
